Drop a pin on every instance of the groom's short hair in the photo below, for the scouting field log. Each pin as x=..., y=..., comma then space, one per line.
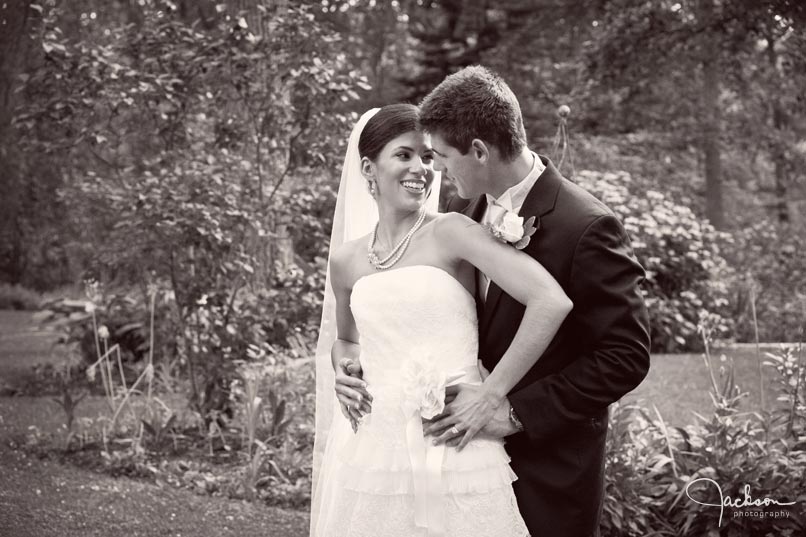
x=475, y=103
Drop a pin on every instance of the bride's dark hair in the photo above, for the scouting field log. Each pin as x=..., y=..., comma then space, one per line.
x=390, y=122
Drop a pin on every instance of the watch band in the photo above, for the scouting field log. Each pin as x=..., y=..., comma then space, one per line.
x=513, y=418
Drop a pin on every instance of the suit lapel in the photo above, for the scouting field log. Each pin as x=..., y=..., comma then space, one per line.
x=539, y=202
x=475, y=209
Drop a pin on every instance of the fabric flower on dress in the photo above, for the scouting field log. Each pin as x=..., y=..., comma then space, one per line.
x=424, y=387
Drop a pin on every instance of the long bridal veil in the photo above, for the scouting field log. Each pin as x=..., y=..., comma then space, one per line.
x=354, y=217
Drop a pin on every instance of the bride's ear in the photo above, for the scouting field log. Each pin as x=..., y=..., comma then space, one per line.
x=367, y=169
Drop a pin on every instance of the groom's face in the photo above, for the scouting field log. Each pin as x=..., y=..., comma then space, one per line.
x=464, y=171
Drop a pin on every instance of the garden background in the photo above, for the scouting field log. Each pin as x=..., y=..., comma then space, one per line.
x=168, y=173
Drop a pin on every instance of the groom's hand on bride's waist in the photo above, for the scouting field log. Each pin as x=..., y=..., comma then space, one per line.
x=351, y=391
x=469, y=412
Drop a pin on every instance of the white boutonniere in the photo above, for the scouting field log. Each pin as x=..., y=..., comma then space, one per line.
x=512, y=229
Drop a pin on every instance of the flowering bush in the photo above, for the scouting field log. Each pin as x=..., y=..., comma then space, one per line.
x=682, y=255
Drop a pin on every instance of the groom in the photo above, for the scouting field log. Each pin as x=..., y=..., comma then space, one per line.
x=555, y=422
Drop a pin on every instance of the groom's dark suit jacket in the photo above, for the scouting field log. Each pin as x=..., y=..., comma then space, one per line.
x=600, y=353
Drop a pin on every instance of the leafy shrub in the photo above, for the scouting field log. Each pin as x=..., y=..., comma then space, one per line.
x=123, y=317
x=625, y=510
x=647, y=479
x=17, y=297
x=653, y=471
x=264, y=453
x=789, y=413
x=686, y=272
x=771, y=272
x=283, y=427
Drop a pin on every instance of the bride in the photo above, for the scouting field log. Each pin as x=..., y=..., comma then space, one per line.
x=402, y=282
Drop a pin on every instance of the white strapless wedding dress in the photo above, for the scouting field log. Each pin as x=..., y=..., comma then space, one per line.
x=417, y=325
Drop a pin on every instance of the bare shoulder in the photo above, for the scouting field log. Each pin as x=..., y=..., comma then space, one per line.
x=344, y=260
x=341, y=258
x=452, y=225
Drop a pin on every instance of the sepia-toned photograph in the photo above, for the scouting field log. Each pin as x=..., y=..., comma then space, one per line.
x=405, y=268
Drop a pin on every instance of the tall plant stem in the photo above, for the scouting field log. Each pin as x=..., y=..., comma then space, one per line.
x=151, y=344
x=758, y=347
x=196, y=403
x=707, y=357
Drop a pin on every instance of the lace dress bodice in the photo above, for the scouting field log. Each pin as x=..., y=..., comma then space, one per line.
x=412, y=310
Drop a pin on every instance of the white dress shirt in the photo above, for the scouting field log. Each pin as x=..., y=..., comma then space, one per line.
x=511, y=200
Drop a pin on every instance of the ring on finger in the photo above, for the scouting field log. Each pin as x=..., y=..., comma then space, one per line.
x=454, y=430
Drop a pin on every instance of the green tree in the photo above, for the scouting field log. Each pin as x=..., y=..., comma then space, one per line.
x=181, y=151
x=693, y=67
x=449, y=35
x=540, y=53
x=16, y=52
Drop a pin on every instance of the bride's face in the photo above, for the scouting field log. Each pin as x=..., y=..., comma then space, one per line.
x=404, y=171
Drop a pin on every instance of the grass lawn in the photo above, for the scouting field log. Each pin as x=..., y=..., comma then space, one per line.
x=678, y=384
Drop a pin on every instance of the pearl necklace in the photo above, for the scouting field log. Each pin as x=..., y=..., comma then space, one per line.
x=398, y=251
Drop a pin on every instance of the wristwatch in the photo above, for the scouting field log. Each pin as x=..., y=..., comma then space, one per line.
x=513, y=418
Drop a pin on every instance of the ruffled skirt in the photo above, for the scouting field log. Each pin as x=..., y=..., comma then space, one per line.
x=389, y=481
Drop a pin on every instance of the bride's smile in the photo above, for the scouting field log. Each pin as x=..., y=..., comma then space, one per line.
x=415, y=186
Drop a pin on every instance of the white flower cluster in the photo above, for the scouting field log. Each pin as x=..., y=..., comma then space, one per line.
x=509, y=228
